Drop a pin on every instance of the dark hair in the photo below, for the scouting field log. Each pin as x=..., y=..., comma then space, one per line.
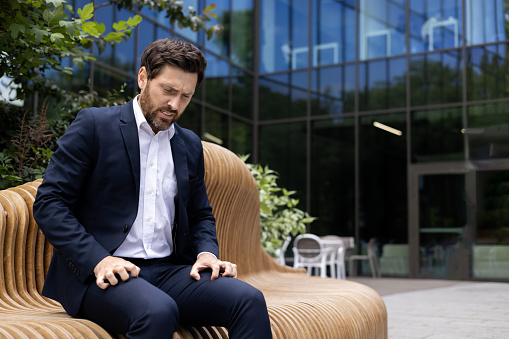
x=176, y=52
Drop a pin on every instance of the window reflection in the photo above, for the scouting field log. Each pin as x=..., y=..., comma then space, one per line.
x=487, y=70
x=381, y=28
x=333, y=171
x=242, y=93
x=382, y=84
x=275, y=99
x=286, y=155
x=486, y=21
x=240, y=142
x=333, y=28
x=333, y=90
x=216, y=81
x=488, y=131
x=242, y=33
x=436, y=135
x=216, y=128
x=220, y=44
x=383, y=174
x=274, y=35
x=436, y=78
x=435, y=24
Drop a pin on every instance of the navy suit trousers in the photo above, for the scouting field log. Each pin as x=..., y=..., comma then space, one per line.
x=165, y=296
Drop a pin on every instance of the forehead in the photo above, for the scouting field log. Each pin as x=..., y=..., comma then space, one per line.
x=175, y=77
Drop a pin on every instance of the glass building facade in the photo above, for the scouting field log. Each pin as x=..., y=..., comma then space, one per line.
x=389, y=117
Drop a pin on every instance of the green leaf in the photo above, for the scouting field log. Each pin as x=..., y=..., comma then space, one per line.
x=87, y=12
x=56, y=3
x=39, y=34
x=53, y=17
x=120, y=26
x=16, y=29
x=91, y=28
x=70, y=27
x=56, y=38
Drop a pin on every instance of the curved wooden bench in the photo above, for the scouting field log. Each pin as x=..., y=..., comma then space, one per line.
x=299, y=306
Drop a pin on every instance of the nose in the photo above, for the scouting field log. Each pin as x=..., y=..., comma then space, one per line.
x=174, y=103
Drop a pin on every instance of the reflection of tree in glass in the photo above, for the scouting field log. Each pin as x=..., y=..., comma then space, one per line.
x=239, y=28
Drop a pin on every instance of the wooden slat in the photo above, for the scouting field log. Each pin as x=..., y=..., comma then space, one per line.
x=299, y=306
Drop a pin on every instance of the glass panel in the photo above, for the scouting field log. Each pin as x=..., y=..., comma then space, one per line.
x=333, y=176
x=275, y=102
x=436, y=78
x=491, y=248
x=274, y=35
x=242, y=93
x=298, y=49
x=381, y=29
x=382, y=84
x=240, y=142
x=216, y=81
x=488, y=132
x=216, y=128
x=283, y=148
x=442, y=221
x=242, y=33
x=299, y=93
x=333, y=90
x=106, y=81
x=383, y=174
x=333, y=27
x=487, y=70
x=436, y=135
x=220, y=44
x=146, y=35
x=191, y=118
x=486, y=21
x=435, y=24
x=162, y=33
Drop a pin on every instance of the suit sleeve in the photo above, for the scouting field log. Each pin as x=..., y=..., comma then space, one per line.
x=201, y=220
x=59, y=192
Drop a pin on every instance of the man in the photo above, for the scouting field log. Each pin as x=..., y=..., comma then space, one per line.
x=124, y=204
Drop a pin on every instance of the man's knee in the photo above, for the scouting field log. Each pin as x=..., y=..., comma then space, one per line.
x=157, y=318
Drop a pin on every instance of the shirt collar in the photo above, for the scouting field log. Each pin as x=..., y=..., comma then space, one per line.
x=142, y=123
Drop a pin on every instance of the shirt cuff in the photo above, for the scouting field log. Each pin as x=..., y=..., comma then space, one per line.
x=205, y=252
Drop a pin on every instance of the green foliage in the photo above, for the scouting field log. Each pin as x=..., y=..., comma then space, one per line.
x=36, y=35
x=279, y=215
x=28, y=157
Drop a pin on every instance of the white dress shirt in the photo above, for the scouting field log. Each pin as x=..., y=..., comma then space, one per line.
x=151, y=233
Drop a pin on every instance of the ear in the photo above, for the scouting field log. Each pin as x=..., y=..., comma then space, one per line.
x=142, y=78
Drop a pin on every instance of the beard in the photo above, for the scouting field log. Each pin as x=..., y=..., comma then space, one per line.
x=152, y=113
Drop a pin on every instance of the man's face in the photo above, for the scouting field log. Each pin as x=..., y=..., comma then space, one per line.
x=164, y=98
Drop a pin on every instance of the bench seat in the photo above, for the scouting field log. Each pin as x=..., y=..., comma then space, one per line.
x=299, y=306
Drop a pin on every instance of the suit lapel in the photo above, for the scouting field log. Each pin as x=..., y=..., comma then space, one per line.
x=129, y=132
x=178, y=149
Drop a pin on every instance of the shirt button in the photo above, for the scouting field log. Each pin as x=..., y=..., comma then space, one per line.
x=150, y=192
x=151, y=164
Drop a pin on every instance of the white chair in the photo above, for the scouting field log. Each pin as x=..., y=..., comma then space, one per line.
x=310, y=253
x=280, y=252
x=338, y=255
x=371, y=256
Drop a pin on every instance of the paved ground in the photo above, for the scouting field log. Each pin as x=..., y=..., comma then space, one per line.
x=443, y=309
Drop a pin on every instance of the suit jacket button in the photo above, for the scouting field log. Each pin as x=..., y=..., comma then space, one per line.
x=126, y=228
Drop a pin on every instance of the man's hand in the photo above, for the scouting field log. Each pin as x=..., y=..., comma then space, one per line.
x=207, y=260
x=107, y=270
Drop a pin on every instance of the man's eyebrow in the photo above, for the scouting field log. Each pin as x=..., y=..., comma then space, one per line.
x=174, y=89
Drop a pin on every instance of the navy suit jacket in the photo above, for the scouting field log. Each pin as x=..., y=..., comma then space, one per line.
x=88, y=199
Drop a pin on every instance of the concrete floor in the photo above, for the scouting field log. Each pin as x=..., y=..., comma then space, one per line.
x=443, y=309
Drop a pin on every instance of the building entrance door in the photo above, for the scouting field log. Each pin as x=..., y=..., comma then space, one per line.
x=459, y=220
x=441, y=206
